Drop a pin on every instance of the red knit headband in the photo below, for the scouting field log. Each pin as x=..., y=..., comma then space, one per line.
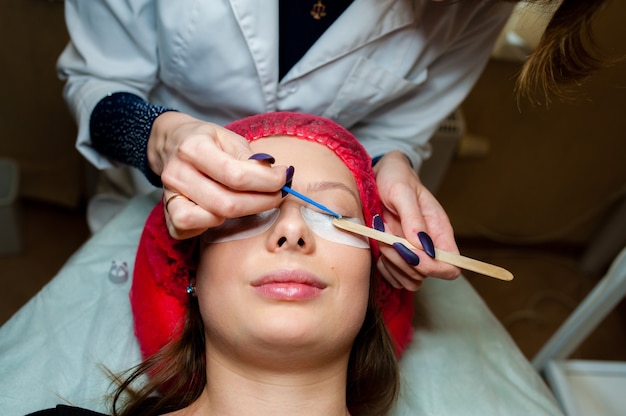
x=163, y=265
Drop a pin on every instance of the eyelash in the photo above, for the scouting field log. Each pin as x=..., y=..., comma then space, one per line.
x=319, y=211
x=340, y=212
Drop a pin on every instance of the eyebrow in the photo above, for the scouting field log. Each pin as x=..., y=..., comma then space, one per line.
x=333, y=185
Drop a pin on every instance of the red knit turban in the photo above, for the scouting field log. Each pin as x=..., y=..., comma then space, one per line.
x=163, y=265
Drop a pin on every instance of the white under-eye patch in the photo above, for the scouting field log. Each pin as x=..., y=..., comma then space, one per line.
x=322, y=225
x=242, y=227
x=252, y=225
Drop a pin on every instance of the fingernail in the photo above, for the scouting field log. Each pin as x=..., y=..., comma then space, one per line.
x=289, y=175
x=427, y=243
x=378, y=224
x=263, y=157
x=407, y=254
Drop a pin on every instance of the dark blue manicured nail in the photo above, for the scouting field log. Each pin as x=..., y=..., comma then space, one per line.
x=378, y=224
x=263, y=157
x=406, y=254
x=289, y=176
x=427, y=243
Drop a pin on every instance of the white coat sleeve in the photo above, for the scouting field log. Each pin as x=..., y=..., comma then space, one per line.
x=408, y=123
x=112, y=49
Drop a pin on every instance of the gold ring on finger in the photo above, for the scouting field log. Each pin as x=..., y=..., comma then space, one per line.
x=167, y=202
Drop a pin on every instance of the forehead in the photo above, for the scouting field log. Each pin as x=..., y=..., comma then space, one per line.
x=313, y=161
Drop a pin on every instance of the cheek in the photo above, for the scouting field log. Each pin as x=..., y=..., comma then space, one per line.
x=215, y=288
x=353, y=268
x=354, y=295
x=352, y=261
x=211, y=264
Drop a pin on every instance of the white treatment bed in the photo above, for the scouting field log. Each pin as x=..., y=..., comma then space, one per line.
x=54, y=350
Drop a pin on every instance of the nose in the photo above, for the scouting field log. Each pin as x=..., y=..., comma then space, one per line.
x=290, y=231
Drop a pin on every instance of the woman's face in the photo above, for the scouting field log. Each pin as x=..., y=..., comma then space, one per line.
x=287, y=286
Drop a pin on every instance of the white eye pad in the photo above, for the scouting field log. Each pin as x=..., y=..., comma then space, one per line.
x=322, y=225
x=252, y=225
x=242, y=227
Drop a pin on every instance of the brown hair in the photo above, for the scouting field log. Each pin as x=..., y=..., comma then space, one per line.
x=177, y=373
x=566, y=53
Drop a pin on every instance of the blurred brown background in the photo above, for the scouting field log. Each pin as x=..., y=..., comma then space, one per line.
x=37, y=130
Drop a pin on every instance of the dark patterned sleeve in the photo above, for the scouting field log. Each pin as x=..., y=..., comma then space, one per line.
x=120, y=126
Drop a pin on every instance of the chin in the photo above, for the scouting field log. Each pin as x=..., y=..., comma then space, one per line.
x=288, y=331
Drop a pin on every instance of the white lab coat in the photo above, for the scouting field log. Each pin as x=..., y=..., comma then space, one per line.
x=388, y=70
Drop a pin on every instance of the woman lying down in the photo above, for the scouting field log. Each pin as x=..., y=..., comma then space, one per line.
x=278, y=313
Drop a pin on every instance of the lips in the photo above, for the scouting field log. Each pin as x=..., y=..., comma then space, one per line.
x=291, y=285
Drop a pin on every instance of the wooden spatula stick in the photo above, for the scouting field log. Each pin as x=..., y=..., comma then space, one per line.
x=441, y=255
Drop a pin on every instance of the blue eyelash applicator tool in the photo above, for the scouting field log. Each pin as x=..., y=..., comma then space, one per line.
x=310, y=201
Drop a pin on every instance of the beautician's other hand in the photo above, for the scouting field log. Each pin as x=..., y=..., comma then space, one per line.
x=209, y=166
x=408, y=208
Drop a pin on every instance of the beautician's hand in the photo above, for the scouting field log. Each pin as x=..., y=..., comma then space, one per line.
x=209, y=167
x=408, y=208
